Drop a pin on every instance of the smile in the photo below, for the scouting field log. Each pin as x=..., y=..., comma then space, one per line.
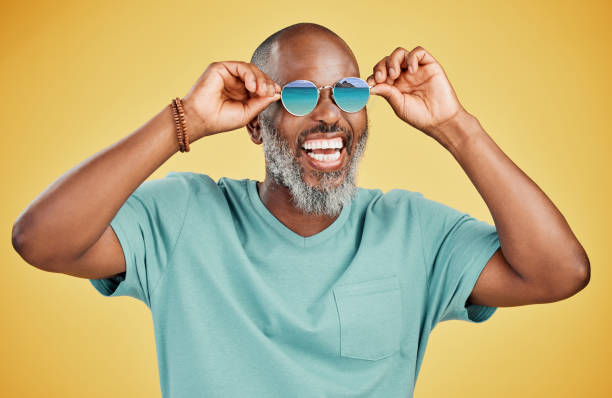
x=325, y=154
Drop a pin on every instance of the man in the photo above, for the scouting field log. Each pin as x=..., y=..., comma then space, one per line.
x=302, y=285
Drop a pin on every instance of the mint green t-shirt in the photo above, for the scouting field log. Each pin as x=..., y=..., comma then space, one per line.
x=243, y=306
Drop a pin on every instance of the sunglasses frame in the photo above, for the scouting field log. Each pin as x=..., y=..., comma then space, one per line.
x=319, y=88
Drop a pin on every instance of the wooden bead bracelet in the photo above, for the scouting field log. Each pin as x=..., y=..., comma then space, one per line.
x=178, y=114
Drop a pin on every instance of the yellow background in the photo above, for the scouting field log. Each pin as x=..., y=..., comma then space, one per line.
x=79, y=76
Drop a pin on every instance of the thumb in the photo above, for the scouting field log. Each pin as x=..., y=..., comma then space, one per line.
x=390, y=93
x=257, y=104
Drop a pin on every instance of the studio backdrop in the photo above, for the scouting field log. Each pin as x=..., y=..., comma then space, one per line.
x=79, y=76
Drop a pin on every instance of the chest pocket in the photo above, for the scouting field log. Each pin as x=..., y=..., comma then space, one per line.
x=370, y=318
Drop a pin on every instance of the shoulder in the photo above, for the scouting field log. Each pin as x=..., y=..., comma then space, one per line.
x=167, y=185
x=178, y=182
x=431, y=211
x=404, y=204
x=161, y=200
x=390, y=201
x=201, y=183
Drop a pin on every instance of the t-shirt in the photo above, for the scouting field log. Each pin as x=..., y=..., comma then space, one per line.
x=242, y=306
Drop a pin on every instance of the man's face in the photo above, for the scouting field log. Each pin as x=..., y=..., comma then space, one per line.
x=315, y=188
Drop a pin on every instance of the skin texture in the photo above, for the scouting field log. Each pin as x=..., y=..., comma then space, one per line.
x=540, y=259
x=322, y=59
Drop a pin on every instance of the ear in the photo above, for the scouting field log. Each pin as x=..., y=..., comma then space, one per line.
x=254, y=129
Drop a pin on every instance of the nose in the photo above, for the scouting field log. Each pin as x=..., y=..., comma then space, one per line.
x=326, y=110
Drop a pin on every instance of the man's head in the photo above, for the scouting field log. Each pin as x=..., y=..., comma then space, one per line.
x=310, y=52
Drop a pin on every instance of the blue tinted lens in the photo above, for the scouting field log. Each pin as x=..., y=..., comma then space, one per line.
x=300, y=97
x=351, y=94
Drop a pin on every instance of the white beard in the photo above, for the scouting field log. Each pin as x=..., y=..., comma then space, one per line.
x=283, y=166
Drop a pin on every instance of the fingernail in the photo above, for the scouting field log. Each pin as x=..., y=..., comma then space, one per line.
x=391, y=72
x=410, y=68
x=378, y=75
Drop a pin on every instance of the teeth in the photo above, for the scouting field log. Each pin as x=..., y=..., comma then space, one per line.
x=321, y=157
x=323, y=144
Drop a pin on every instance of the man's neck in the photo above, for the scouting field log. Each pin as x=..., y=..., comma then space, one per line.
x=277, y=200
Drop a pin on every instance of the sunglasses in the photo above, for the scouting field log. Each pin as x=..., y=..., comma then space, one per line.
x=300, y=97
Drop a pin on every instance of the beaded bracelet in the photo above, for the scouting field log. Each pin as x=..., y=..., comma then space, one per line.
x=179, y=105
x=181, y=125
x=179, y=130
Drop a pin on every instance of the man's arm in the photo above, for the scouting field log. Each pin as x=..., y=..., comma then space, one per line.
x=66, y=228
x=540, y=258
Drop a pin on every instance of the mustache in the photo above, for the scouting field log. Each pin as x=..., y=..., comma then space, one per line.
x=326, y=128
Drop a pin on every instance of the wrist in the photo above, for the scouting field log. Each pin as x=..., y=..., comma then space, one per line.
x=195, y=123
x=453, y=133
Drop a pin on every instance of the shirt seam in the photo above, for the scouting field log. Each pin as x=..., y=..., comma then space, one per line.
x=172, y=251
x=418, y=213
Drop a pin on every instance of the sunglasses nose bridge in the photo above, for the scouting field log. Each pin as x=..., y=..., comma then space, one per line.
x=331, y=90
x=331, y=93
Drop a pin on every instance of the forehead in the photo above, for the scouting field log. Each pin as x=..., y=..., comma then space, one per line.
x=318, y=58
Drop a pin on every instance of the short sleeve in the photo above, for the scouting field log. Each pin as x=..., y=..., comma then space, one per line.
x=147, y=226
x=457, y=247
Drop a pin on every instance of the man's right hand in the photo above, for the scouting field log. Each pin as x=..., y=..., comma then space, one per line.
x=50, y=233
x=227, y=96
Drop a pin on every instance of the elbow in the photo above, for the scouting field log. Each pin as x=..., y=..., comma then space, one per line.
x=22, y=244
x=18, y=241
x=19, y=232
x=580, y=280
x=576, y=280
x=565, y=279
x=584, y=273
x=16, y=238
x=579, y=274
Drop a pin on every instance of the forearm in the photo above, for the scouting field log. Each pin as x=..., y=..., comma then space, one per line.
x=70, y=215
x=534, y=236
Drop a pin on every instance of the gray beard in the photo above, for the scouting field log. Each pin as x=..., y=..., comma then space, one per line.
x=284, y=168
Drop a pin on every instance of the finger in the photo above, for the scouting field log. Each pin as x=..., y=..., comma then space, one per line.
x=240, y=70
x=257, y=104
x=370, y=80
x=254, y=79
x=243, y=71
x=388, y=92
x=394, y=62
x=263, y=88
x=380, y=71
x=251, y=82
x=265, y=84
x=418, y=56
x=266, y=79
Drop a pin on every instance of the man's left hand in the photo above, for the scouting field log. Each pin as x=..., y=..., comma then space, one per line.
x=416, y=87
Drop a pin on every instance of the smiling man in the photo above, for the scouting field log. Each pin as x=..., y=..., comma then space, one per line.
x=303, y=184
x=303, y=285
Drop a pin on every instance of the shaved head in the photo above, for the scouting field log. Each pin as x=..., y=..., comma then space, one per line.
x=310, y=52
x=267, y=53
